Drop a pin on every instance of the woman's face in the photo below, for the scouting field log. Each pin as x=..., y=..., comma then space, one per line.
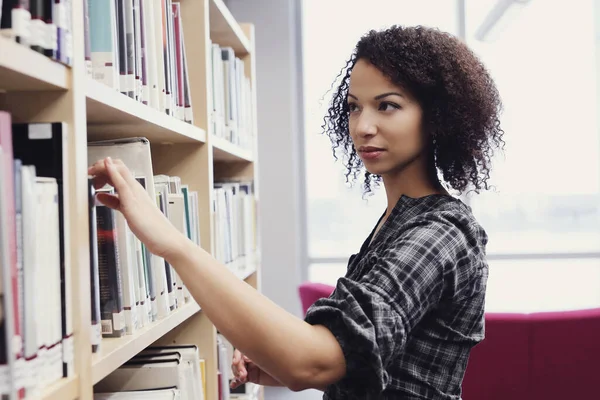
x=384, y=121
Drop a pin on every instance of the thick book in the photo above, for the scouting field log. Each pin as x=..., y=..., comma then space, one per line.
x=111, y=287
x=7, y=357
x=11, y=270
x=96, y=331
x=87, y=43
x=102, y=42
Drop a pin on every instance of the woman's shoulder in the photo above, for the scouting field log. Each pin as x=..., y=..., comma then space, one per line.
x=441, y=220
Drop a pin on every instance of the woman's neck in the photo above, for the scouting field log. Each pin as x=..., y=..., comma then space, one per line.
x=413, y=180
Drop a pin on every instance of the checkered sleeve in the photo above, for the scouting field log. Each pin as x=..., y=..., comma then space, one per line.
x=372, y=316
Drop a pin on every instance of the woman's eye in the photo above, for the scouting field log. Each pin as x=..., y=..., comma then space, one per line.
x=385, y=106
x=352, y=107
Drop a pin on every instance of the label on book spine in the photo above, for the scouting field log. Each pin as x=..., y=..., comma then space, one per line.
x=68, y=353
x=5, y=380
x=40, y=131
x=119, y=321
x=51, y=42
x=38, y=33
x=96, y=334
x=21, y=373
x=21, y=19
x=31, y=380
x=107, y=327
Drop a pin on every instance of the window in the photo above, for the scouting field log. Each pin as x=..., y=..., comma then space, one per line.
x=543, y=62
x=543, y=220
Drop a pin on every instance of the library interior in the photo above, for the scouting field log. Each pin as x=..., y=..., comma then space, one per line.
x=299, y=199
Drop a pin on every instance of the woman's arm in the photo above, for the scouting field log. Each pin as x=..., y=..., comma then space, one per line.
x=295, y=353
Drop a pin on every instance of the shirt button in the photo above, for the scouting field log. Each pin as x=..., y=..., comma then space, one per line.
x=373, y=259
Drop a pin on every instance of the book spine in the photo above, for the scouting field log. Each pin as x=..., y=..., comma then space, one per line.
x=38, y=29
x=87, y=44
x=121, y=48
x=96, y=331
x=102, y=29
x=11, y=270
x=111, y=291
x=51, y=37
x=129, y=48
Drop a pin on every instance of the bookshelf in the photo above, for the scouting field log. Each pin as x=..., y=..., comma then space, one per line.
x=34, y=88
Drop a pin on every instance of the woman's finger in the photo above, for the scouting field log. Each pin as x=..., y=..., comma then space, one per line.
x=109, y=200
x=118, y=181
x=236, y=356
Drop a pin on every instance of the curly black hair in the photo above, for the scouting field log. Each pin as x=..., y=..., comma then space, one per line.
x=460, y=102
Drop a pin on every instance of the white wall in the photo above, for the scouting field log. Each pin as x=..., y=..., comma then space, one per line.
x=280, y=124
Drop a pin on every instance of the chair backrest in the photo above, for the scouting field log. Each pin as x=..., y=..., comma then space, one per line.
x=311, y=292
x=544, y=355
x=565, y=353
x=498, y=367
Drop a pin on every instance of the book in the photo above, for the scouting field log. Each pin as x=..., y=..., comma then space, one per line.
x=96, y=329
x=109, y=268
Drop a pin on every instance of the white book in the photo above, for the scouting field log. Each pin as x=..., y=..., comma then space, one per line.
x=156, y=394
x=157, y=30
x=162, y=189
x=137, y=47
x=129, y=49
x=49, y=247
x=31, y=272
x=127, y=261
x=149, y=27
x=7, y=381
x=195, y=218
x=142, y=375
x=176, y=208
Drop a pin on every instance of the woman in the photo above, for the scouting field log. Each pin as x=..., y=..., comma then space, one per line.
x=419, y=112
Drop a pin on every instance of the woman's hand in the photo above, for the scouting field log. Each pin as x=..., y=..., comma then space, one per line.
x=244, y=370
x=144, y=218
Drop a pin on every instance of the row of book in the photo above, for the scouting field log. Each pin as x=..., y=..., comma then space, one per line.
x=234, y=224
x=232, y=113
x=36, y=327
x=174, y=372
x=135, y=287
x=43, y=25
x=137, y=48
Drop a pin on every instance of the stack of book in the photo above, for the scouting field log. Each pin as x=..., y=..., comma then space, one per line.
x=43, y=25
x=231, y=116
x=234, y=224
x=131, y=287
x=36, y=329
x=159, y=373
x=137, y=48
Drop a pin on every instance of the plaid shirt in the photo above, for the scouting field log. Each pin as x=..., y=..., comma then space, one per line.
x=411, y=305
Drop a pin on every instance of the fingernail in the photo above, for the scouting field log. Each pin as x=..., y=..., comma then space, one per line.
x=109, y=160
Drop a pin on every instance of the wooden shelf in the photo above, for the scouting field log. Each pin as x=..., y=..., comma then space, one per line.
x=63, y=389
x=114, y=352
x=111, y=115
x=22, y=69
x=224, y=150
x=225, y=31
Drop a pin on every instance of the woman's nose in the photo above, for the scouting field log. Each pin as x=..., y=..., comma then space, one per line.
x=366, y=124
